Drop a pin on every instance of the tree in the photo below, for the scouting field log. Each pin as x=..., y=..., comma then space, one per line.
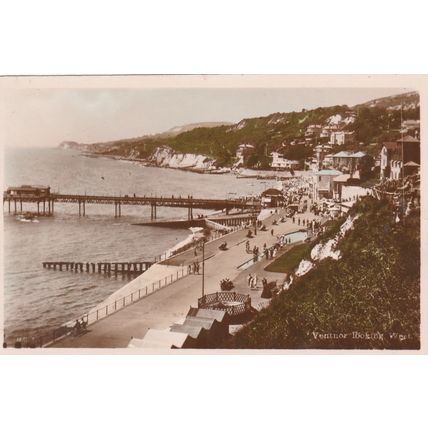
x=366, y=165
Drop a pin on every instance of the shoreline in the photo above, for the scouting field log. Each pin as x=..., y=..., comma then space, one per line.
x=258, y=174
x=151, y=164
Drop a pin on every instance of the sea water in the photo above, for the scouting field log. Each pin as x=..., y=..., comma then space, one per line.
x=38, y=299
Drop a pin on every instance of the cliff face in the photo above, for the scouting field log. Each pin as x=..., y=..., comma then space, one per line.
x=167, y=157
x=72, y=145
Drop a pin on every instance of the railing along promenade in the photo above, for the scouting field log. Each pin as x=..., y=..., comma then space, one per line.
x=95, y=315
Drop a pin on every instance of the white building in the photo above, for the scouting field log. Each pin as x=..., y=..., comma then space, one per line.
x=348, y=160
x=313, y=130
x=324, y=183
x=242, y=152
x=278, y=161
x=342, y=137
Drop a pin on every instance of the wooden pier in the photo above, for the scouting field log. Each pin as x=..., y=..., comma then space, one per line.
x=128, y=268
x=46, y=203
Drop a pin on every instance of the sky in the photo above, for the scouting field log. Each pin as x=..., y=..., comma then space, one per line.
x=46, y=117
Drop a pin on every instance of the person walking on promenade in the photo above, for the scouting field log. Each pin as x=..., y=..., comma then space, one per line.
x=298, y=221
x=294, y=220
x=271, y=232
x=254, y=281
x=249, y=280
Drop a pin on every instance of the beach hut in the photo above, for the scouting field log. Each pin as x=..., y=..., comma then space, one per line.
x=163, y=339
x=220, y=316
x=198, y=333
x=216, y=331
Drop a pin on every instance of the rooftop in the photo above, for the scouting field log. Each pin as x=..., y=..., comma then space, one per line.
x=328, y=172
x=348, y=154
x=409, y=139
x=207, y=313
x=159, y=339
x=28, y=187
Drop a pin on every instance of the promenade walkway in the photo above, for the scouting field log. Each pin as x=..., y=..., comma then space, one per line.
x=170, y=304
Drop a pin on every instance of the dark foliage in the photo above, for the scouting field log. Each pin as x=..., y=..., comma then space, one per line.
x=373, y=289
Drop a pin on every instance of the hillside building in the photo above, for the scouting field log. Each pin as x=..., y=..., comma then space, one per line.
x=400, y=158
x=279, y=162
x=411, y=127
x=347, y=161
x=342, y=137
x=242, y=153
x=313, y=131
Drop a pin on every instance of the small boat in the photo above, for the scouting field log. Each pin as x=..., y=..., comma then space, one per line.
x=27, y=217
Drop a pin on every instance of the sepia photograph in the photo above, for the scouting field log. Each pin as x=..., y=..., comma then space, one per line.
x=158, y=214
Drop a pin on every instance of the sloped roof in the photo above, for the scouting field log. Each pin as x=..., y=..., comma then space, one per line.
x=193, y=331
x=206, y=323
x=159, y=339
x=345, y=177
x=29, y=187
x=409, y=139
x=411, y=163
x=348, y=154
x=207, y=313
x=272, y=192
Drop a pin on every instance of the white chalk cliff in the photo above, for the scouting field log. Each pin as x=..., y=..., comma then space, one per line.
x=167, y=157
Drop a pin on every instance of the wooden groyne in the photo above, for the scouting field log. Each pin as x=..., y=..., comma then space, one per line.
x=102, y=267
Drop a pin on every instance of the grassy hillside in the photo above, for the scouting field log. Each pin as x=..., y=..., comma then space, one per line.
x=373, y=289
x=375, y=122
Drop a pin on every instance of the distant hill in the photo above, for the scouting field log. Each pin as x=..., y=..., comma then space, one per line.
x=184, y=128
x=409, y=101
x=373, y=122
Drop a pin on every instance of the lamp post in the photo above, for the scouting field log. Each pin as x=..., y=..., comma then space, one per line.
x=203, y=268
